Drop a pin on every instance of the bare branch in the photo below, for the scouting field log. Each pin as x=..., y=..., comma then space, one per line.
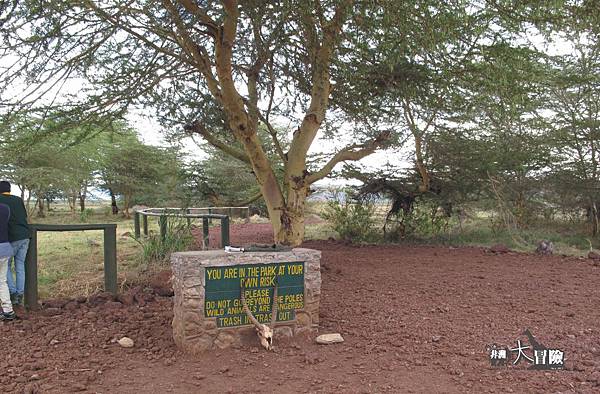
x=353, y=152
x=198, y=128
x=201, y=14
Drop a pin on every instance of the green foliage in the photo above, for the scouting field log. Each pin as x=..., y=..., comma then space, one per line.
x=353, y=221
x=85, y=215
x=423, y=221
x=178, y=238
x=138, y=172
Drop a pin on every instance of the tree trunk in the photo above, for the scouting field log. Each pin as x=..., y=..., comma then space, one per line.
x=291, y=220
x=82, y=201
x=40, y=204
x=594, y=216
x=126, y=202
x=113, y=202
x=425, y=183
x=71, y=200
x=28, y=207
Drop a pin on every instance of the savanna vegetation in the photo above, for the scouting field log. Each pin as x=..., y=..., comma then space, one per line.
x=488, y=113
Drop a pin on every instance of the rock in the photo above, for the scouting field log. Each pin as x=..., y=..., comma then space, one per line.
x=56, y=303
x=284, y=332
x=126, y=342
x=51, y=311
x=499, y=249
x=125, y=299
x=161, y=283
x=113, y=305
x=593, y=255
x=100, y=298
x=78, y=387
x=327, y=339
x=71, y=306
x=545, y=247
x=436, y=338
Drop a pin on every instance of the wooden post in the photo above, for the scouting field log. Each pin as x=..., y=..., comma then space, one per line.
x=189, y=220
x=224, y=231
x=205, y=234
x=162, y=222
x=145, y=224
x=136, y=224
x=31, y=280
x=110, y=258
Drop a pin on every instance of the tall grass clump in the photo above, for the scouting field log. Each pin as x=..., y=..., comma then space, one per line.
x=178, y=238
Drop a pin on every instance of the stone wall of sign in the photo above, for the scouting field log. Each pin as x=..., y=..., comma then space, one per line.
x=207, y=306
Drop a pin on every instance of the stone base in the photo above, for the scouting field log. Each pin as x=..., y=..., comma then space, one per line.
x=194, y=333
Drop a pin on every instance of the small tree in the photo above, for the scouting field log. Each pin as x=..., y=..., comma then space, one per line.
x=130, y=168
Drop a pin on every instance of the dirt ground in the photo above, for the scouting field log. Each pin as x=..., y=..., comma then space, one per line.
x=415, y=319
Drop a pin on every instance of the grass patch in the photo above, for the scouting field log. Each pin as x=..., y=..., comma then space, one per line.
x=568, y=238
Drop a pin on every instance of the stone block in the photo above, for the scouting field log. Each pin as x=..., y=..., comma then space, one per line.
x=194, y=333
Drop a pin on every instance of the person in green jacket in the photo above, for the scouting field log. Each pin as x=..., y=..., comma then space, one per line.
x=18, y=235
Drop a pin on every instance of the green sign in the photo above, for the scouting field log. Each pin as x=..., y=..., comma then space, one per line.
x=223, y=285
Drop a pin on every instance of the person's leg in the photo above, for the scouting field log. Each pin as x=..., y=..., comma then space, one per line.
x=12, y=286
x=20, y=248
x=7, y=308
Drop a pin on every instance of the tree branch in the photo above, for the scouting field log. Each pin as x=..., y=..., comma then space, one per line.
x=201, y=14
x=247, y=201
x=353, y=152
x=274, y=137
x=321, y=84
x=197, y=52
x=198, y=128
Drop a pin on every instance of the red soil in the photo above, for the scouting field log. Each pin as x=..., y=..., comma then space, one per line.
x=414, y=319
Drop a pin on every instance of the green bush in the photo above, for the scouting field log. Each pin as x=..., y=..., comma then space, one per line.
x=423, y=221
x=178, y=238
x=354, y=221
x=85, y=215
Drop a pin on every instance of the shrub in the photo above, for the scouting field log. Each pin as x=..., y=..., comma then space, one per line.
x=353, y=221
x=85, y=215
x=178, y=238
x=423, y=221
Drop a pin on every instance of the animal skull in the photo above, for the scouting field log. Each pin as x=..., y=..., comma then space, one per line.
x=264, y=332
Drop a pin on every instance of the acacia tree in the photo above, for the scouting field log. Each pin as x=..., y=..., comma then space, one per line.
x=132, y=169
x=226, y=64
x=574, y=99
x=223, y=68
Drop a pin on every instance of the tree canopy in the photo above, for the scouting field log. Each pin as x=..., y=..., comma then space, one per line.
x=361, y=72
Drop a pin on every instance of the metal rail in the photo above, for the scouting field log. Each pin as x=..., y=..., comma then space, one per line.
x=31, y=262
x=164, y=213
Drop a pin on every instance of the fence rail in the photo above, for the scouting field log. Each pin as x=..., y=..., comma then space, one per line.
x=31, y=262
x=110, y=242
x=164, y=213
